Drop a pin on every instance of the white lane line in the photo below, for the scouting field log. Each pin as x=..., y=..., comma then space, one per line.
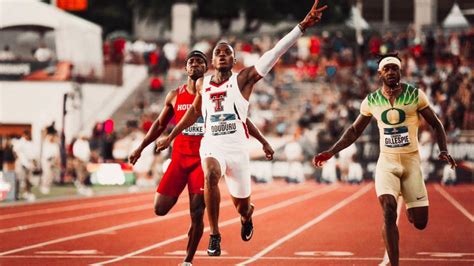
x=140, y=222
x=77, y=218
x=228, y=222
x=85, y=217
x=131, y=199
x=316, y=220
x=386, y=260
x=454, y=202
x=74, y=207
x=197, y=258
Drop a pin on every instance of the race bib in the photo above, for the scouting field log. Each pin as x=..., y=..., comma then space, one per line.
x=197, y=129
x=223, y=124
x=396, y=137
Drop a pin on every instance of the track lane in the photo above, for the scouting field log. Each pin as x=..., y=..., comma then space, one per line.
x=110, y=231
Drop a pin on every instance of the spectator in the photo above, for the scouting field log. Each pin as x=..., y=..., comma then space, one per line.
x=25, y=164
x=50, y=161
x=82, y=155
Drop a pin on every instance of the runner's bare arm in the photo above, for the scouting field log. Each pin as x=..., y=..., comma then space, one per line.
x=191, y=115
x=158, y=126
x=429, y=115
x=251, y=75
x=349, y=137
x=255, y=132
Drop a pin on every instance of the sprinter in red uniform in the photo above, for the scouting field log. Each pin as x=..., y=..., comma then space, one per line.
x=185, y=167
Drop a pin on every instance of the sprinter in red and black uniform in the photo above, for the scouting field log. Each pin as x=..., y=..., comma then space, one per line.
x=185, y=167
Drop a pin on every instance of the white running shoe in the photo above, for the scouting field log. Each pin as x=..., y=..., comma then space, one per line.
x=185, y=264
x=28, y=196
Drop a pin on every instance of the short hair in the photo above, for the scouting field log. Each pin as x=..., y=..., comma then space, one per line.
x=382, y=56
x=223, y=42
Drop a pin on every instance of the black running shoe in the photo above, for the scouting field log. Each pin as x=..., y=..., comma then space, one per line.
x=214, y=248
x=247, y=230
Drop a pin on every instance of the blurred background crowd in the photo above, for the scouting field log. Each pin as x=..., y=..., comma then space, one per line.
x=311, y=96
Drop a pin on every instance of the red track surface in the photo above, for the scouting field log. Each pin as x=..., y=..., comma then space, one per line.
x=307, y=224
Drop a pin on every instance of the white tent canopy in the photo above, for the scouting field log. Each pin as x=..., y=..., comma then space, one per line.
x=77, y=40
x=455, y=18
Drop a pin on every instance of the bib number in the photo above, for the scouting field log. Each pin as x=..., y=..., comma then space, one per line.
x=223, y=124
x=396, y=137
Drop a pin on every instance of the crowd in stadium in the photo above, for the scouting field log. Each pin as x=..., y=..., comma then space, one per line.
x=320, y=84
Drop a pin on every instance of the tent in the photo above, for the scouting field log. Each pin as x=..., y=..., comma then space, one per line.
x=455, y=18
x=77, y=40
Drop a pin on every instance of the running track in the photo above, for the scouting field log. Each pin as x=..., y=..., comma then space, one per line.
x=306, y=224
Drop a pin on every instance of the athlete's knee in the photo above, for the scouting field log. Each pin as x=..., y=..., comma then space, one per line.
x=161, y=210
x=197, y=215
x=389, y=212
x=212, y=177
x=420, y=224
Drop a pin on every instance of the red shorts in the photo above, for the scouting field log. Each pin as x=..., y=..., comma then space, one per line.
x=183, y=169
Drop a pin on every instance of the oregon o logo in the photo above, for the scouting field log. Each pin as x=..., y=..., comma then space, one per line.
x=393, y=116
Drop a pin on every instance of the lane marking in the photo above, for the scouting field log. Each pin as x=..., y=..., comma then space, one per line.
x=70, y=252
x=226, y=223
x=141, y=222
x=307, y=225
x=74, y=207
x=274, y=258
x=386, y=260
x=198, y=253
x=84, y=217
x=324, y=253
x=445, y=254
x=79, y=206
x=76, y=218
x=454, y=202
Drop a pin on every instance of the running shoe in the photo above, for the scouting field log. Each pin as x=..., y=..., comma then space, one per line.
x=214, y=248
x=247, y=230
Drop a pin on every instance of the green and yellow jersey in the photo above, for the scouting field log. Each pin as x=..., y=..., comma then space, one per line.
x=398, y=124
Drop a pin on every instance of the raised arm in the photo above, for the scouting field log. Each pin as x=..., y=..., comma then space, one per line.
x=255, y=132
x=249, y=76
x=349, y=137
x=434, y=122
x=189, y=118
x=157, y=128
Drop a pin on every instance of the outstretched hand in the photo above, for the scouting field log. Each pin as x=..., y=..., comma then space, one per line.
x=446, y=157
x=133, y=158
x=319, y=159
x=313, y=16
x=162, y=144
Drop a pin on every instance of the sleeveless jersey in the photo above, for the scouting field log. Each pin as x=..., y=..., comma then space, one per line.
x=398, y=124
x=188, y=142
x=225, y=111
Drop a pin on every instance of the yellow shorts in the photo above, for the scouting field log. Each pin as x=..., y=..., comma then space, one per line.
x=401, y=174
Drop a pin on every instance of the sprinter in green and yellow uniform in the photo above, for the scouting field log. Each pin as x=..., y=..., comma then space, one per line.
x=397, y=108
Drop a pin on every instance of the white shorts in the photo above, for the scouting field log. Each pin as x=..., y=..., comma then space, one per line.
x=401, y=174
x=235, y=165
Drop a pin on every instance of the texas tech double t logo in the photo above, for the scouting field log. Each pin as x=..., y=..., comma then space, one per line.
x=218, y=98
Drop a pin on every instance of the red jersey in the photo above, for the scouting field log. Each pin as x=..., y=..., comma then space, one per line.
x=189, y=141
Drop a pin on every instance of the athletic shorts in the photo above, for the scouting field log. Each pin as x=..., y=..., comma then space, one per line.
x=235, y=165
x=183, y=169
x=397, y=174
